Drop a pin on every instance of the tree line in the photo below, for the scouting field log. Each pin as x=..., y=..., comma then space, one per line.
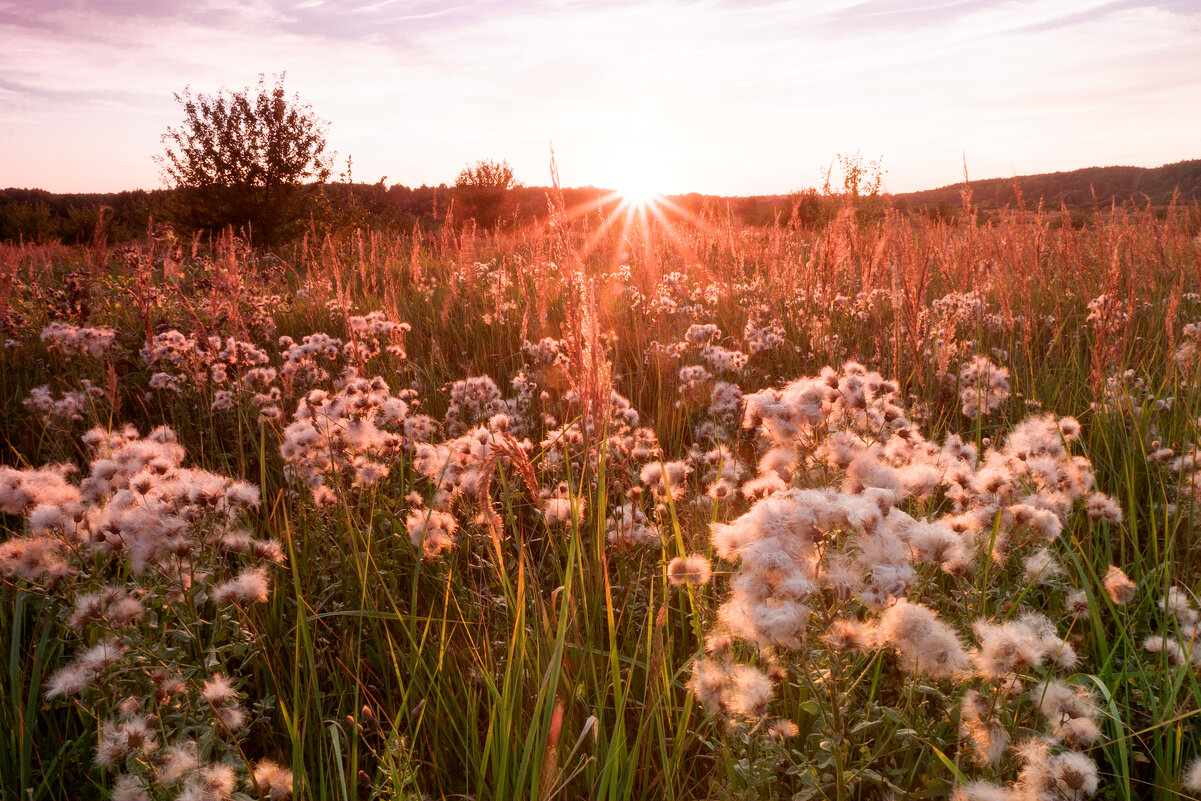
x=258, y=160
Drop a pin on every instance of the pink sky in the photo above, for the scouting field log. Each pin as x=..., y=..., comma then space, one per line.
x=719, y=97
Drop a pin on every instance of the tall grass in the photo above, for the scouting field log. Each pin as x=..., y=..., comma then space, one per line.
x=540, y=662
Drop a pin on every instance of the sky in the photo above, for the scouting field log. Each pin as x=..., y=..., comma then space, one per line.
x=712, y=96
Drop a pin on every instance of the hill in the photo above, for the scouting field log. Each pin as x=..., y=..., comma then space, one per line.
x=1074, y=189
x=36, y=215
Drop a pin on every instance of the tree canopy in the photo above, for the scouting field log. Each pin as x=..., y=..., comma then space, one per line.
x=244, y=157
x=481, y=190
x=487, y=174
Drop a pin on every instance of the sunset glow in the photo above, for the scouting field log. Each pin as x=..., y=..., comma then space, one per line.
x=639, y=195
x=573, y=399
x=638, y=171
x=712, y=96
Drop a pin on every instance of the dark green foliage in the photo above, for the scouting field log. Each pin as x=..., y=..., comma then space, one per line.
x=482, y=189
x=242, y=159
x=1100, y=186
x=35, y=215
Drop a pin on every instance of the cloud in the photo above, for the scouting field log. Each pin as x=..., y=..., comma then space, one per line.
x=726, y=96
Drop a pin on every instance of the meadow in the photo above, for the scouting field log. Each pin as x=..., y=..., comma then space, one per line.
x=618, y=506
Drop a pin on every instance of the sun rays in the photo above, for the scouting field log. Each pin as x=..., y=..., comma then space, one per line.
x=634, y=218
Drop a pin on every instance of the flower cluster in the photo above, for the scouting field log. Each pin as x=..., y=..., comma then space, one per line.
x=344, y=435
x=69, y=340
x=848, y=551
x=983, y=387
x=130, y=553
x=371, y=330
x=70, y=405
x=1188, y=352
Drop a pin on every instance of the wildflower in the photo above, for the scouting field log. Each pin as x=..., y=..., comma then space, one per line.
x=69, y=340
x=112, y=604
x=849, y=635
x=982, y=791
x=22, y=491
x=1028, y=641
x=249, y=586
x=1103, y=508
x=1179, y=604
x=71, y=680
x=1069, y=427
x=1190, y=780
x=842, y=575
x=781, y=730
x=87, y=667
x=341, y=432
x=666, y=477
x=232, y=717
x=935, y=544
x=725, y=402
x=708, y=680
x=557, y=511
x=923, y=642
x=473, y=400
x=977, y=723
x=1160, y=455
x=627, y=526
x=33, y=558
x=698, y=334
x=1168, y=646
x=694, y=374
x=1073, y=776
x=1108, y=312
x=431, y=530
x=1076, y=603
x=747, y=691
x=273, y=780
x=166, y=684
x=121, y=738
x=1120, y=588
x=984, y=387
x=130, y=787
x=69, y=406
x=691, y=569
x=722, y=360
x=218, y=690
x=763, y=338
x=180, y=761
x=1042, y=566
x=1071, y=711
x=215, y=781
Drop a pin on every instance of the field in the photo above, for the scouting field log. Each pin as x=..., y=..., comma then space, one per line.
x=613, y=507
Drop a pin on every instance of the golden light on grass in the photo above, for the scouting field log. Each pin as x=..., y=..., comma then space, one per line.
x=634, y=209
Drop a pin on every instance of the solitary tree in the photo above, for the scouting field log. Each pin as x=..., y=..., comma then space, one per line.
x=242, y=158
x=481, y=188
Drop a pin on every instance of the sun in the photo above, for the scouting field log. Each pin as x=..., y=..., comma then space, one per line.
x=638, y=195
x=638, y=177
x=634, y=177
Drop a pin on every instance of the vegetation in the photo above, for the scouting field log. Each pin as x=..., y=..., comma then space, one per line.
x=1079, y=197
x=606, y=508
x=1083, y=190
x=240, y=159
x=482, y=189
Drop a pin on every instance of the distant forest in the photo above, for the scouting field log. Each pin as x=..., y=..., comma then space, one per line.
x=1079, y=189
x=35, y=215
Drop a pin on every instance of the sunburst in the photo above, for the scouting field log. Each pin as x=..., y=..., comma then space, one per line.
x=635, y=208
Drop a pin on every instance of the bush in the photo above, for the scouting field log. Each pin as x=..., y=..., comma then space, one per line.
x=242, y=158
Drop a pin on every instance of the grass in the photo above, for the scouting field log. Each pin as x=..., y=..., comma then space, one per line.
x=544, y=663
